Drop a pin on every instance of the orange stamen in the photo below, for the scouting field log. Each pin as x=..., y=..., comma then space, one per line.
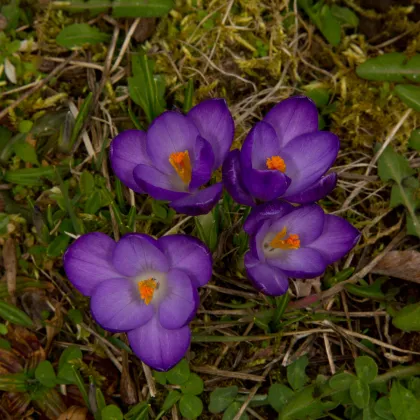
x=276, y=163
x=291, y=242
x=182, y=164
x=147, y=289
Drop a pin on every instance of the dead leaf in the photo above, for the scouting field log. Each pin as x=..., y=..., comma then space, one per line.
x=53, y=326
x=10, y=71
x=144, y=29
x=127, y=386
x=74, y=413
x=304, y=287
x=401, y=265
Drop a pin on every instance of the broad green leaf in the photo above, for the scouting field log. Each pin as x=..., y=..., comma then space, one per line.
x=190, y=406
x=26, y=152
x=330, y=26
x=410, y=95
x=141, y=8
x=194, y=385
x=79, y=34
x=75, y=315
x=279, y=395
x=366, y=368
x=4, y=344
x=179, y=374
x=221, y=398
x=408, y=319
x=138, y=412
x=111, y=412
x=45, y=374
x=172, y=398
x=345, y=15
x=414, y=140
x=160, y=377
x=65, y=373
x=388, y=67
x=404, y=405
x=393, y=166
x=14, y=315
x=232, y=411
x=383, y=409
x=359, y=392
x=341, y=381
x=87, y=183
x=58, y=245
x=296, y=375
x=159, y=210
x=93, y=203
x=320, y=96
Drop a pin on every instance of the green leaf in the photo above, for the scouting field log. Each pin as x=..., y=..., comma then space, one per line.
x=14, y=315
x=279, y=395
x=345, y=15
x=382, y=409
x=179, y=374
x=138, y=412
x=93, y=203
x=65, y=373
x=359, y=392
x=404, y=405
x=341, y=381
x=4, y=344
x=221, y=398
x=296, y=375
x=160, y=377
x=111, y=412
x=410, y=95
x=26, y=152
x=366, y=368
x=233, y=410
x=189, y=93
x=80, y=119
x=78, y=34
x=58, y=245
x=141, y=8
x=414, y=140
x=320, y=96
x=3, y=329
x=190, y=406
x=408, y=318
x=194, y=385
x=45, y=374
x=393, y=166
x=33, y=176
x=75, y=315
x=387, y=67
x=159, y=210
x=172, y=398
x=330, y=26
x=87, y=183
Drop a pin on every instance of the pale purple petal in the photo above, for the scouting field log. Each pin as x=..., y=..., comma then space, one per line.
x=134, y=255
x=159, y=348
x=306, y=221
x=181, y=302
x=169, y=133
x=159, y=185
x=272, y=209
x=199, y=202
x=301, y=263
x=128, y=150
x=215, y=124
x=268, y=279
x=292, y=118
x=188, y=254
x=337, y=239
x=314, y=192
x=256, y=241
x=202, y=167
x=265, y=144
x=309, y=157
x=116, y=306
x=232, y=179
x=88, y=262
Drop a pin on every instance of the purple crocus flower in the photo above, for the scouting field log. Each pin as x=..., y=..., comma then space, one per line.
x=177, y=156
x=284, y=155
x=142, y=286
x=287, y=241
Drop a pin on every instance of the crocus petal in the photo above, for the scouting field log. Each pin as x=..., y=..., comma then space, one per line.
x=215, y=124
x=203, y=165
x=314, y=192
x=199, y=202
x=308, y=157
x=265, y=144
x=232, y=179
x=180, y=305
x=337, y=238
x=256, y=241
x=265, y=185
x=159, y=348
x=159, y=185
x=293, y=117
x=306, y=221
x=169, y=133
x=188, y=254
x=88, y=262
x=128, y=150
x=116, y=306
x=266, y=278
x=300, y=263
x=134, y=255
x=264, y=211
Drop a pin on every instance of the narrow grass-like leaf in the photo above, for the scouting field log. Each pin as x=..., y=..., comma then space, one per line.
x=33, y=176
x=189, y=92
x=80, y=119
x=141, y=8
x=14, y=315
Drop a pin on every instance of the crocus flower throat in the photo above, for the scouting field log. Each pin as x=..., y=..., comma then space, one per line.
x=147, y=289
x=280, y=241
x=276, y=163
x=181, y=162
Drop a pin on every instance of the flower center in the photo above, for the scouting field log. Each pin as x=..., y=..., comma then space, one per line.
x=182, y=164
x=276, y=163
x=147, y=289
x=281, y=242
